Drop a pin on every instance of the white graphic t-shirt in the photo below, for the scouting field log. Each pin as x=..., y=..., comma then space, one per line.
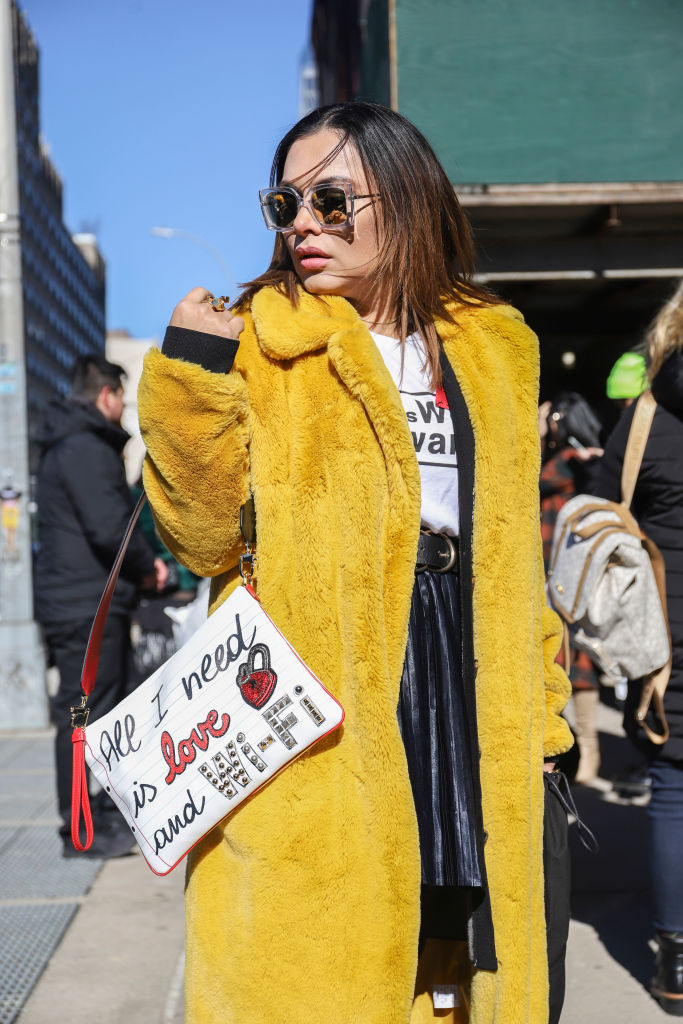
x=432, y=430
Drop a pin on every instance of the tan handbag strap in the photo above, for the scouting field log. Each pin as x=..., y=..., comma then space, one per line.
x=587, y=564
x=635, y=446
x=569, y=526
x=598, y=532
x=626, y=522
x=618, y=509
x=654, y=685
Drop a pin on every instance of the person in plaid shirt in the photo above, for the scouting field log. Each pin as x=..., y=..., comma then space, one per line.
x=570, y=447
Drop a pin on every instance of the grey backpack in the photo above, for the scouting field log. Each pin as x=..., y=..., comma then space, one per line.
x=606, y=580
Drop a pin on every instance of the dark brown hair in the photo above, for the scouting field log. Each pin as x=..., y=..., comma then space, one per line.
x=92, y=372
x=427, y=255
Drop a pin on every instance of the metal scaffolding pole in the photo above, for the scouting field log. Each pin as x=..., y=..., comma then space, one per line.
x=23, y=700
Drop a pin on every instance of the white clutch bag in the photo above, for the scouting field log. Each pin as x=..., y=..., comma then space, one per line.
x=228, y=711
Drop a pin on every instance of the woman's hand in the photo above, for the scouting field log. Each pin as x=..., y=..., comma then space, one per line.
x=194, y=313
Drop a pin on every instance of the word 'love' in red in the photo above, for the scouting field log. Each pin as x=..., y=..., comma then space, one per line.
x=187, y=749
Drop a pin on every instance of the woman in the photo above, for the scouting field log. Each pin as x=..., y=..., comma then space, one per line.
x=306, y=903
x=658, y=508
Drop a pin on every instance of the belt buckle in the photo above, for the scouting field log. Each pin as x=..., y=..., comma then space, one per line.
x=452, y=555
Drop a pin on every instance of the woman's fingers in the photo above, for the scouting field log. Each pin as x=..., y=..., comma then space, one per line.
x=195, y=313
x=234, y=327
x=197, y=294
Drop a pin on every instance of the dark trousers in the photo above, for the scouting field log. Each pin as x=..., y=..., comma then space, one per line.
x=665, y=814
x=557, y=874
x=67, y=642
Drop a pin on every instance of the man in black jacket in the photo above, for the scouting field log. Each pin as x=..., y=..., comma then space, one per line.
x=84, y=505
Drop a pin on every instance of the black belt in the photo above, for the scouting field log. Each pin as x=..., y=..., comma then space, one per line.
x=438, y=552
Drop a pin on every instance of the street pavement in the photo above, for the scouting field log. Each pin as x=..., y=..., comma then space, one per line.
x=610, y=955
x=81, y=940
x=85, y=941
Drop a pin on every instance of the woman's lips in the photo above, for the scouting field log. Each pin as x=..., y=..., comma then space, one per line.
x=312, y=259
x=313, y=262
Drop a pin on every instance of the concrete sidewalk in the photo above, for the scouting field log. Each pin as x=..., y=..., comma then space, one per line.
x=108, y=938
x=610, y=957
x=121, y=959
x=80, y=940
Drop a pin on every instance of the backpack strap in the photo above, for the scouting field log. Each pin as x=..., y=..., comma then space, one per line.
x=570, y=526
x=587, y=564
x=635, y=446
x=654, y=685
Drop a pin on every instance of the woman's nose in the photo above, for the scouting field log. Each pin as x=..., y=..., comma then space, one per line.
x=305, y=223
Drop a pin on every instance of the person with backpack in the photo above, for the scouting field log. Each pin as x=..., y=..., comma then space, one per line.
x=570, y=444
x=626, y=382
x=658, y=508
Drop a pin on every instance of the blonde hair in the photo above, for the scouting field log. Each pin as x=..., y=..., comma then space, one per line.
x=665, y=333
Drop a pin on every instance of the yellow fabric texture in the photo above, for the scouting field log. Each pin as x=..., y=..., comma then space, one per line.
x=442, y=964
x=304, y=904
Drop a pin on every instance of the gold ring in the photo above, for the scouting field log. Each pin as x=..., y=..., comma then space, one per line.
x=218, y=305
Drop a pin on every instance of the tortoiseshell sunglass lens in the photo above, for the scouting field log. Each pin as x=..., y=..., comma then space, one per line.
x=280, y=208
x=329, y=203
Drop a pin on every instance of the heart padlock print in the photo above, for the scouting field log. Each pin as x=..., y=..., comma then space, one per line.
x=257, y=684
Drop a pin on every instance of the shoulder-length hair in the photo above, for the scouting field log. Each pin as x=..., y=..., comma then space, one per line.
x=427, y=254
x=665, y=333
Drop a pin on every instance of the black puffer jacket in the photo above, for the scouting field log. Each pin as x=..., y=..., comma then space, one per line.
x=84, y=505
x=658, y=508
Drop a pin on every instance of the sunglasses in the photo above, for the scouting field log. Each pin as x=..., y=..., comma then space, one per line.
x=331, y=205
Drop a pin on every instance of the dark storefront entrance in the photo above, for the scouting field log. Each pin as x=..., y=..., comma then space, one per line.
x=588, y=265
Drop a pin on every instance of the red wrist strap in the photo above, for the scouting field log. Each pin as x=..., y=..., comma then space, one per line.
x=79, y=793
x=79, y=715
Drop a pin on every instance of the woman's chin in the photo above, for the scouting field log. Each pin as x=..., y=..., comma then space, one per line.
x=319, y=285
x=326, y=284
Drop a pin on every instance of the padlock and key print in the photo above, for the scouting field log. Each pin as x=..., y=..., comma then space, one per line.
x=257, y=684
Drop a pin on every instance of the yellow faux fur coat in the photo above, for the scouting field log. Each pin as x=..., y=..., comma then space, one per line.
x=305, y=905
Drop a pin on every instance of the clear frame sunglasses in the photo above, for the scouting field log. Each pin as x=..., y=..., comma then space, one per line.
x=332, y=205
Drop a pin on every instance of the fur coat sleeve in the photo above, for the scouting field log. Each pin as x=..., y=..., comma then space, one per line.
x=196, y=424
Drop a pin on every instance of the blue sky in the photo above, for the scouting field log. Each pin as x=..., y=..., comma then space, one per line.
x=167, y=113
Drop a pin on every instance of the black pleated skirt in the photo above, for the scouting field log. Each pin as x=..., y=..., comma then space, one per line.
x=433, y=724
